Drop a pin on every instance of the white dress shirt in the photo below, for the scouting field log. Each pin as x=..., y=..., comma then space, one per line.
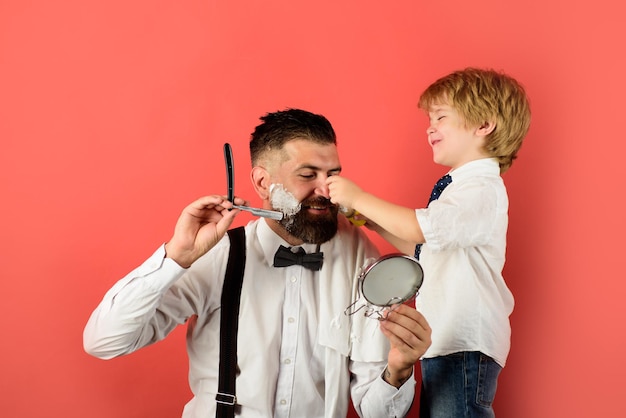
x=464, y=296
x=299, y=355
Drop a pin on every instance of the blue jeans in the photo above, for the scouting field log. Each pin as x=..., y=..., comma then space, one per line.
x=459, y=385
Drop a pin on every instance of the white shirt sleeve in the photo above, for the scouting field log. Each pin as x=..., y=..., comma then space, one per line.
x=125, y=319
x=377, y=398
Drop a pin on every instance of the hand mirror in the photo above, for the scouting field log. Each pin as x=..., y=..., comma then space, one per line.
x=389, y=280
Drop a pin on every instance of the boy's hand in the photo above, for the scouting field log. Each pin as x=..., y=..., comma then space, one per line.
x=342, y=191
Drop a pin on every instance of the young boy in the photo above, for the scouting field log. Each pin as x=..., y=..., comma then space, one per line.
x=478, y=119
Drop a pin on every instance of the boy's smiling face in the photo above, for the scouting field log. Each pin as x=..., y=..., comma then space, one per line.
x=453, y=142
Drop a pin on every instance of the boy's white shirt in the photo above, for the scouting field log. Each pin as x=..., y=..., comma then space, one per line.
x=464, y=296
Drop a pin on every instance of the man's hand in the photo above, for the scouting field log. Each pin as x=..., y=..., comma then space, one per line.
x=200, y=226
x=409, y=335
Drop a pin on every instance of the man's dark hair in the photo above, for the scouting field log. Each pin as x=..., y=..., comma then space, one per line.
x=285, y=125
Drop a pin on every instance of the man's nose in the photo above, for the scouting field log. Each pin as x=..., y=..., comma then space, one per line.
x=321, y=188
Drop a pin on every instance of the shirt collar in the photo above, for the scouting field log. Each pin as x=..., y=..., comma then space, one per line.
x=270, y=241
x=482, y=167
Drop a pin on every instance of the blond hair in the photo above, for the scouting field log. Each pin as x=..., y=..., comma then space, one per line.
x=483, y=95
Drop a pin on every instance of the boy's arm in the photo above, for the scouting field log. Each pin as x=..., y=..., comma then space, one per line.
x=396, y=220
x=405, y=247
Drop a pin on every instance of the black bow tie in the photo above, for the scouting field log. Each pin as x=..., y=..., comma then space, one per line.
x=285, y=257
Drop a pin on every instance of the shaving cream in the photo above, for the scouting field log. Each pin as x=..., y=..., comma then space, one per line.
x=284, y=201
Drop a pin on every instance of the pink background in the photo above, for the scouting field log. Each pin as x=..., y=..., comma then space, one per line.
x=112, y=119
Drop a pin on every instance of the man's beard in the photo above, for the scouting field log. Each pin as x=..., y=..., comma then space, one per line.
x=313, y=229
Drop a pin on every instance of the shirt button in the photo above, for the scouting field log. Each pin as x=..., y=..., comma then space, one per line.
x=283, y=402
x=287, y=361
x=294, y=279
x=291, y=320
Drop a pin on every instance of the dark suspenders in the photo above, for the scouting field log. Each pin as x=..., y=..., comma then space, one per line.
x=226, y=395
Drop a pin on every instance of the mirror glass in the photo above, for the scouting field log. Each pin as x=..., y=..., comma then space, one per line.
x=389, y=280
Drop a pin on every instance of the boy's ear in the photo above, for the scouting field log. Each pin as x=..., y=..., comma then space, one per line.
x=261, y=181
x=486, y=128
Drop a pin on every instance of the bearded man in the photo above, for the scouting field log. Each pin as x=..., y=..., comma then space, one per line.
x=298, y=354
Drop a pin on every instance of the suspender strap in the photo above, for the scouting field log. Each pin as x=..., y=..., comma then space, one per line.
x=231, y=292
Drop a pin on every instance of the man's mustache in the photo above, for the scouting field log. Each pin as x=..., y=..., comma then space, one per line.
x=318, y=202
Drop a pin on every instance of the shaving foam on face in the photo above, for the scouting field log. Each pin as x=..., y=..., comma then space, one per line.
x=284, y=201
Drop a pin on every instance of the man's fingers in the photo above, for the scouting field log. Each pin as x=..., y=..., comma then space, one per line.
x=405, y=325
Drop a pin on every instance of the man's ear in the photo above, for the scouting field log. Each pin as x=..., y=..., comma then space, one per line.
x=486, y=128
x=261, y=181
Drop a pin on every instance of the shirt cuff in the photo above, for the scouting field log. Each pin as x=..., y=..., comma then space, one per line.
x=169, y=270
x=423, y=219
x=398, y=401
